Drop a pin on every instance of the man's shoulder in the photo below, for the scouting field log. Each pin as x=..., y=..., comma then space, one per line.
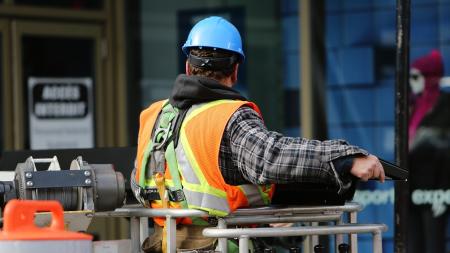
x=247, y=107
x=157, y=104
x=153, y=108
x=244, y=113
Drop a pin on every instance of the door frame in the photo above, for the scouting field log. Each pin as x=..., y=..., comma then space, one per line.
x=7, y=129
x=58, y=29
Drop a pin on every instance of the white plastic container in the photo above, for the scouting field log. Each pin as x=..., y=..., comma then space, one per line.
x=21, y=235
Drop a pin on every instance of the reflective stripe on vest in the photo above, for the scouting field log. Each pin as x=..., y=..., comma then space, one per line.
x=253, y=194
x=212, y=199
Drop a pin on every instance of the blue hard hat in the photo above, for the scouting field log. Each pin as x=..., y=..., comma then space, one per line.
x=215, y=32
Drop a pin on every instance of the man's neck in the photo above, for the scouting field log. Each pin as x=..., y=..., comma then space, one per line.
x=227, y=82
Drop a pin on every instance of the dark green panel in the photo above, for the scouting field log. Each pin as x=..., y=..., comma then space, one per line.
x=66, y=4
x=1, y=94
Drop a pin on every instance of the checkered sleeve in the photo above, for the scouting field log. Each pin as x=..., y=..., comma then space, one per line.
x=264, y=156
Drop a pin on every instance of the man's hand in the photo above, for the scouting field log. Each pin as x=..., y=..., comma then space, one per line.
x=367, y=167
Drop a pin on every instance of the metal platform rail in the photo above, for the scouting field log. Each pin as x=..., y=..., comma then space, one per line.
x=310, y=215
x=264, y=215
x=245, y=233
x=139, y=223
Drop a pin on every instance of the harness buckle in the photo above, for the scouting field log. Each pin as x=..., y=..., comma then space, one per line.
x=176, y=195
x=213, y=221
x=150, y=194
x=158, y=144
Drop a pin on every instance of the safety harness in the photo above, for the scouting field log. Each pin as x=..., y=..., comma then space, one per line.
x=162, y=150
x=172, y=177
x=162, y=153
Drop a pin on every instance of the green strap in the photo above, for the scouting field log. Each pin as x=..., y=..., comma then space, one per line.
x=199, y=221
x=265, y=194
x=147, y=153
x=168, y=113
x=173, y=168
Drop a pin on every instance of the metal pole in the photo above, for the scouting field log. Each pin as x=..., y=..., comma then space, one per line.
x=338, y=238
x=377, y=242
x=401, y=123
x=353, y=237
x=143, y=228
x=171, y=227
x=135, y=234
x=312, y=69
x=307, y=242
x=314, y=238
x=305, y=55
x=243, y=244
x=223, y=246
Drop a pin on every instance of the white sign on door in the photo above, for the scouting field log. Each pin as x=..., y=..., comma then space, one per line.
x=60, y=113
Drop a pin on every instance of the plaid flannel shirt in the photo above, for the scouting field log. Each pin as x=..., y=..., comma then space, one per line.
x=249, y=153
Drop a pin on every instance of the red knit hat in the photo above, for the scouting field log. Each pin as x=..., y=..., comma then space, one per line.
x=430, y=64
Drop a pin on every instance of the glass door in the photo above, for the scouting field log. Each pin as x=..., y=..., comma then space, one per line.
x=57, y=72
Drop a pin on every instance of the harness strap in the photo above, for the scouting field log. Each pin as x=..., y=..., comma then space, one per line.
x=164, y=151
x=174, y=172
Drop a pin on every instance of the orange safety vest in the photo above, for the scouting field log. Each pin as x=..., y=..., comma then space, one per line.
x=198, y=159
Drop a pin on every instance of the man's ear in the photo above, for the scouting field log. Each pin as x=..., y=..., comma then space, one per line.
x=187, y=70
x=234, y=76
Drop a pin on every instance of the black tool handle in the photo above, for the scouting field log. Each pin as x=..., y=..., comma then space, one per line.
x=319, y=248
x=295, y=250
x=270, y=250
x=344, y=248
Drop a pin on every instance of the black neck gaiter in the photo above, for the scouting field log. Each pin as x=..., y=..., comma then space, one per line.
x=190, y=90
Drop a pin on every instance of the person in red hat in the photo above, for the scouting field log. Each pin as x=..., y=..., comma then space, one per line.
x=429, y=146
x=425, y=74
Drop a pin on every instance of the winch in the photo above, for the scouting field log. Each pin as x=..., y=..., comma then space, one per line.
x=95, y=187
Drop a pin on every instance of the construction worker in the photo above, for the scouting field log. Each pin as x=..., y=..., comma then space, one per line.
x=207, y=147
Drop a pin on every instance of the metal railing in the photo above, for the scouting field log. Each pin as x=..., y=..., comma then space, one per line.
x=264, y=215
x=245, y=233
x=137, y=225
x=310, y=215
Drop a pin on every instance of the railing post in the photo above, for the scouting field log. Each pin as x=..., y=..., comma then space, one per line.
x=143, y=228
x=171, y=227
x=377, y=242
x=307, y=242
x=243, y=244
x=353, y=237
x=339, y=238
x=223, y=242
x=135, y=234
